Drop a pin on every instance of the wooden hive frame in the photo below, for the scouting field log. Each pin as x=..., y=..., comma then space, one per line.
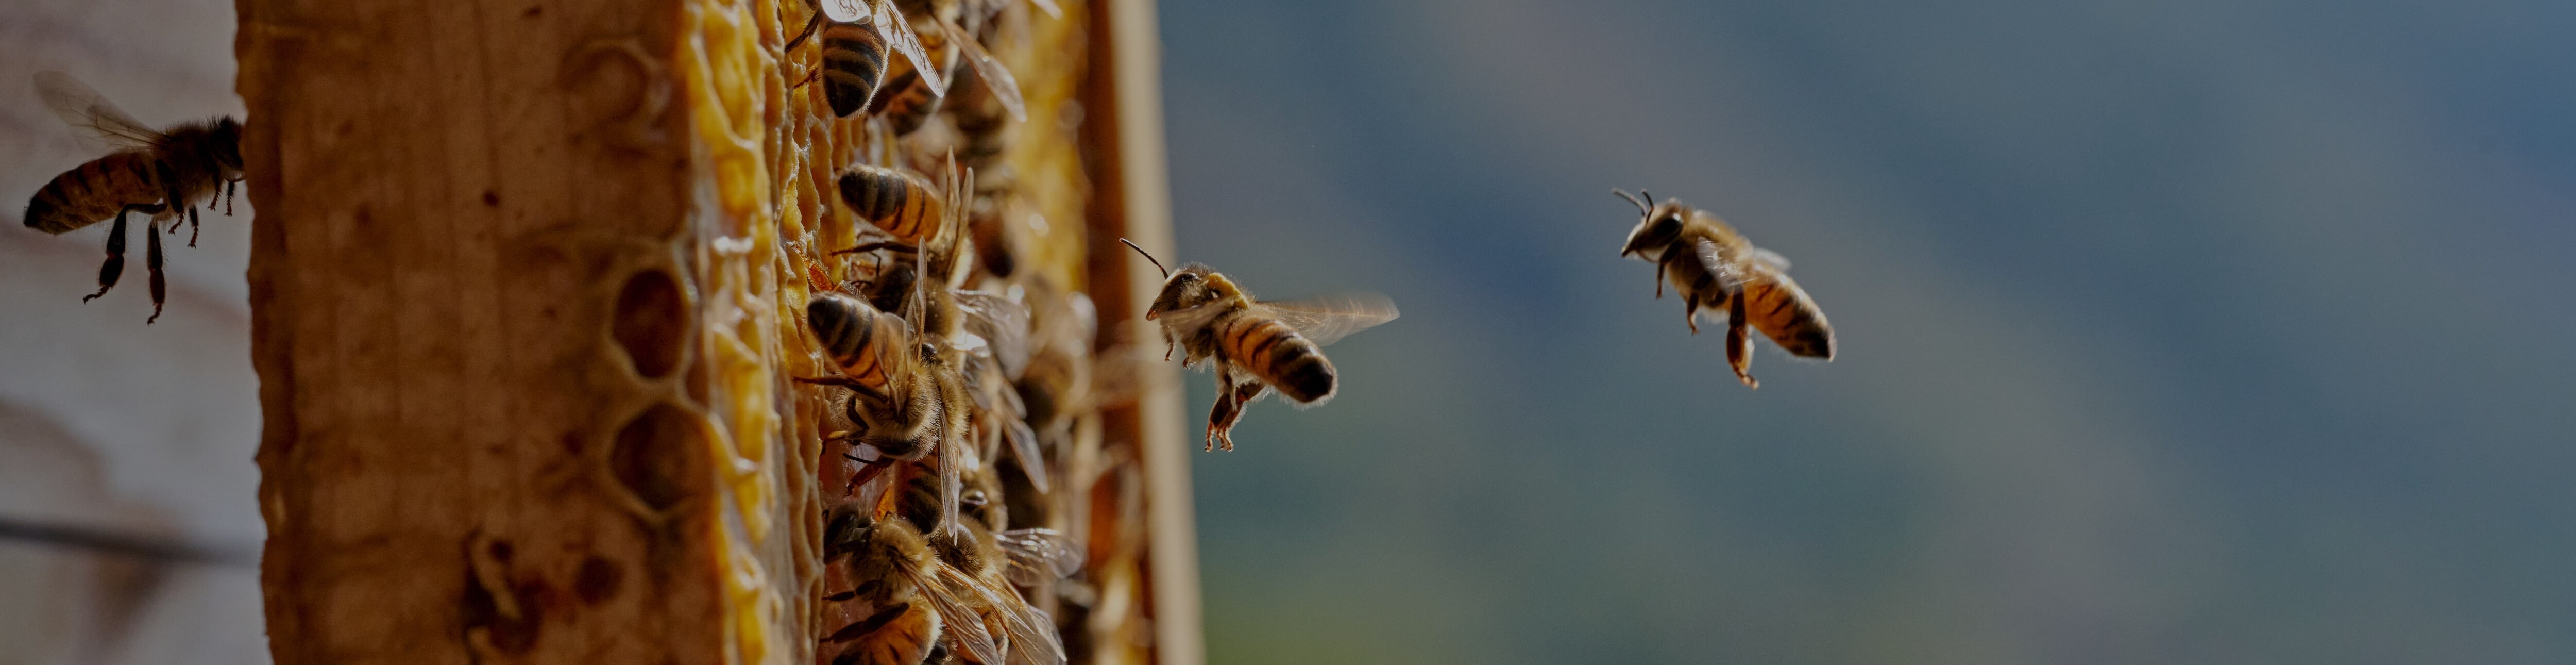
x=527, y=282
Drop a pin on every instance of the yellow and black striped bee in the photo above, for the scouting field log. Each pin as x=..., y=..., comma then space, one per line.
x=919, y=603
x=1714, y=267
x=900, y=203
x=157, y=173
x=858, y=38
x=1258, y=346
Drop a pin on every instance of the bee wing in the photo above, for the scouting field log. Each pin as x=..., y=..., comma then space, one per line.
x=952, y=447
x=1024, y=445
x=996, y=77
x=1039, y=555
x=898, y=33
x=1195, y=317
x=1003, y=324
x=1775, y=305
x=1049, y=7
x=1771, y=258
x=1714, y=259
x=85, y=109
x=1028, y=630
x=942, y=588
x=1328, y=319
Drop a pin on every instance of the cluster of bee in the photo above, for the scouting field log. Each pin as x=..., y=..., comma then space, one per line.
x=160, y=173
x=957, y=376
x=964, y=378
x=965, y=374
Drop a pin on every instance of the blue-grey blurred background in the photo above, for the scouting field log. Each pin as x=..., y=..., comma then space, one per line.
x=2174, y=332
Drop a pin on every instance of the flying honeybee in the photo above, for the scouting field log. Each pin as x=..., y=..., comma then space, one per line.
x=1714, y=267
x=857, y=40
x=157, y=173
x=1258, y=346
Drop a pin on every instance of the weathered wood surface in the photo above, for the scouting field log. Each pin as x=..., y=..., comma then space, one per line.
x=473, y=327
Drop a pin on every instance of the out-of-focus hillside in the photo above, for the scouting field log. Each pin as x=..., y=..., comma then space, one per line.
x=2184, y=332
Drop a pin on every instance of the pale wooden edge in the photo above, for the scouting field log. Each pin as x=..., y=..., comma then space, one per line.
x=1135, y=49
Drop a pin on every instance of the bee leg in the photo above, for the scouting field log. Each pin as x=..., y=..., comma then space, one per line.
x=229, y=186
x=1739, y=344
x=1221, y=417
x=192, y=224
x=810, y=25
x=152, y=263
x=868, y=470
x=115, y=266
x=1690, y=314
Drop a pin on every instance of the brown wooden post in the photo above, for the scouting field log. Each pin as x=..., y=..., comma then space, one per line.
x=503, y=421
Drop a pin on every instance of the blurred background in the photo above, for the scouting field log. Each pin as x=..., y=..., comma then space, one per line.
x=2194, y=331
x=2210, y=332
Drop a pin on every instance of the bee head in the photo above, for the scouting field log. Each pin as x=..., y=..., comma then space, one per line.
x=1185, y=289
x=1659, y=224
x=845, y=530
x=227, y=142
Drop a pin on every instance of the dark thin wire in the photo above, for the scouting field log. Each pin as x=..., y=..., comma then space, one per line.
x=114, y=542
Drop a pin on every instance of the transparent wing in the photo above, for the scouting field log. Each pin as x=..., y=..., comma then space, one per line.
x=959, y=621
x=1024, y=445
x=1196, y=317
x=87, y=110
x=1771, y=258
x=1032, y=632
x=1328, y=319
x=1027, y=630
x=1714, y=259
x=1049, y=7
x=1003, y=324
x=898, y=33
x=1040, y=555
x=996, y=77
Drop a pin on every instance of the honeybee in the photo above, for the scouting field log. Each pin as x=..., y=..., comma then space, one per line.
x=857, y=40
x=921, y=91
x=1258, y=346
x=981, y=549
x=920, y=601
x=1714, y=267
x=900, y=203
x=157, y=173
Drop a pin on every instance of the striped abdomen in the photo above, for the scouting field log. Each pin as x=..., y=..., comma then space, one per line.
x=1776, y=306
x=854, y=62
x=907, y=103
x=901, y=204
x=1278, y=354
x=856, y=336
x=95, y=191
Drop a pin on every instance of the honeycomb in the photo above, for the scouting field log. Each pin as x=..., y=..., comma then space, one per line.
x=768, y=227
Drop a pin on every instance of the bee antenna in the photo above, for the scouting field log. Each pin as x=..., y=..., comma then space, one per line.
x=1650, y=196
x=1158, y=265
x=1642, y=208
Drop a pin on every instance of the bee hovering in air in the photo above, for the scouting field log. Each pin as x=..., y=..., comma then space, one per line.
x=1714, y=267
x=157, y=173
x=1259, y=346
x=857, y=39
